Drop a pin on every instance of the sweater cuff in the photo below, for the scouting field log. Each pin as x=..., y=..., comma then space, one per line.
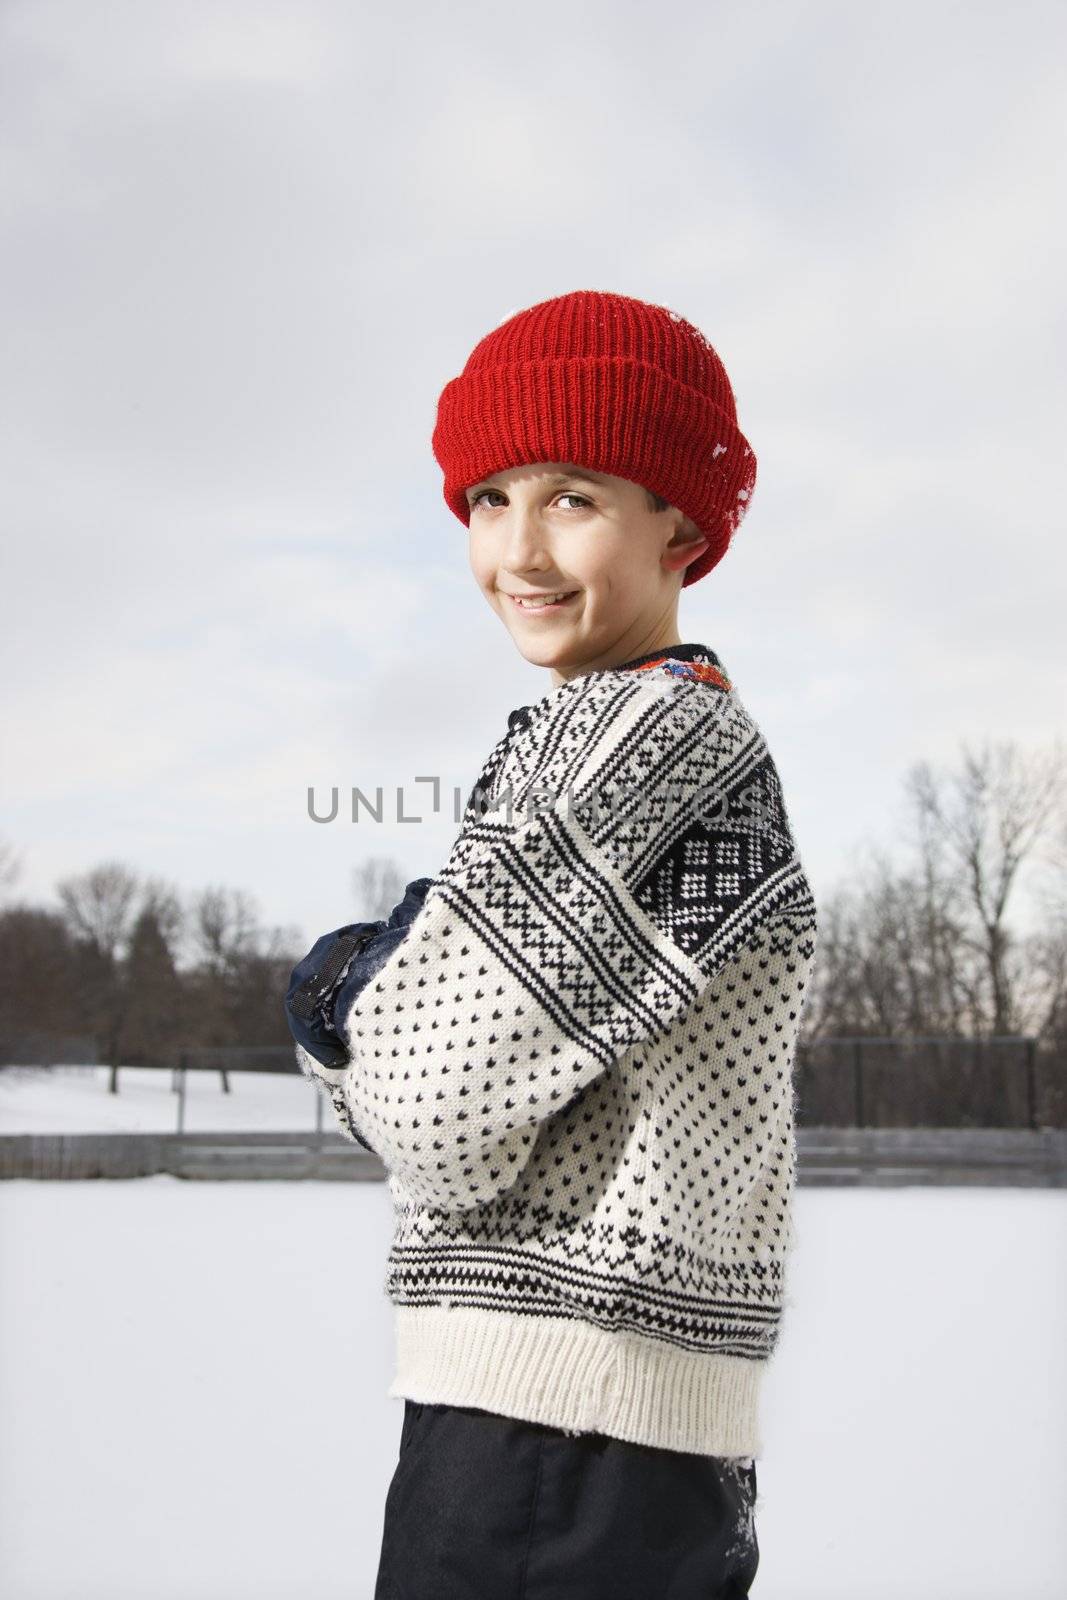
x=332, y=1080
x=314, y=1070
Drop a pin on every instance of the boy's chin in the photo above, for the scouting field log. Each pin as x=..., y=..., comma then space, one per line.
x=556, y=647
x=562, y=656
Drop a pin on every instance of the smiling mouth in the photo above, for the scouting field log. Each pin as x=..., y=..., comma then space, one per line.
x=542, y=602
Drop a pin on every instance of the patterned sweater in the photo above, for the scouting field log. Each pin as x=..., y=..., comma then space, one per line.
x=576, y=1067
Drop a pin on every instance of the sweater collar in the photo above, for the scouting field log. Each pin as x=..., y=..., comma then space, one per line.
x=670, y=652
x=673, y=652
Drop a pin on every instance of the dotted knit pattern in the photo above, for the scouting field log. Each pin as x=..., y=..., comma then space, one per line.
x=577, y=1071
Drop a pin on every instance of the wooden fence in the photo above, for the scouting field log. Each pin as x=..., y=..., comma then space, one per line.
x=931, y=1083
x=887, y=1157
x=881, y=1111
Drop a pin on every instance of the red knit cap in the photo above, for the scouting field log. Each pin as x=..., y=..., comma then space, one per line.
x=610, y=383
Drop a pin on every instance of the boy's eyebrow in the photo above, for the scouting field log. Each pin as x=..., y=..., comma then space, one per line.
x=568, y=472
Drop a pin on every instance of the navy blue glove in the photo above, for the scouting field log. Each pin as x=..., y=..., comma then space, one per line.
x=373, y=953
x=329, y=978
x=313, y=985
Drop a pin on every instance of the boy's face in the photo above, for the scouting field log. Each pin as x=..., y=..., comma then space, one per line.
x=555, y=528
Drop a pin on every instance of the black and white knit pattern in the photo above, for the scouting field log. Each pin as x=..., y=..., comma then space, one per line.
x=577, y=1068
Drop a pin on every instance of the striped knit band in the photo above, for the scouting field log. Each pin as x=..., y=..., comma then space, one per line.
x=610, y=383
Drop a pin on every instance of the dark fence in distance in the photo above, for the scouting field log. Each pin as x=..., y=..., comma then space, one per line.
x=1011, y=1082
x=238, y=1058
x=869, y=1111
x=47, y=1050
x=931, y=1083
x=225, y=1059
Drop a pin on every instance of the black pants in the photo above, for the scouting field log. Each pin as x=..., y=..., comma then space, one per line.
x=484, y=1507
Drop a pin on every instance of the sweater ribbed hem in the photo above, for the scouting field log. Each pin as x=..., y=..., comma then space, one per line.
x=572, y=1374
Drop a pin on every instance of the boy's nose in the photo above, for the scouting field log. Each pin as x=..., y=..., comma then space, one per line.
x=524, y=537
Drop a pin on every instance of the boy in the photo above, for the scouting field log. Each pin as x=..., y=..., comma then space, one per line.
x=572, y=1049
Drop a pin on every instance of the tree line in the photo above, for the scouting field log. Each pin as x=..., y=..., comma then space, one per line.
x=926, y=939
x=144, y=971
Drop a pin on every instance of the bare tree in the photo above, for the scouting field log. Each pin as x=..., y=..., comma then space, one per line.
x=226, y=936
x=153, y=987
x=1046, y=949
x=39, y=981
x=378, y=884
x=99, y=906
x=887, y=955
x=989, y=817
x=164, y=903
x=262, y=985
x=927, y=947
x=224, y=927
x=10, y=867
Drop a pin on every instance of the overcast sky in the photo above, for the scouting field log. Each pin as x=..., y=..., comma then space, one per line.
x=245, y=246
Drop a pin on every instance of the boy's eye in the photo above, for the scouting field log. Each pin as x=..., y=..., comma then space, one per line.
x=566, y=495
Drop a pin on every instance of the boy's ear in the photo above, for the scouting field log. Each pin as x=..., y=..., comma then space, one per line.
x=685, y=544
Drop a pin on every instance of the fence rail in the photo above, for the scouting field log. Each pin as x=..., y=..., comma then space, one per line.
x=185, y=1155
x=830, y=1157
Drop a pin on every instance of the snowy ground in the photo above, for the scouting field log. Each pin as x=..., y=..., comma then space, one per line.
x=192, y=1386
x=77, y=1100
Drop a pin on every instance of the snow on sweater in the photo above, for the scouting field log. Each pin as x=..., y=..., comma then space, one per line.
x=577, y=1070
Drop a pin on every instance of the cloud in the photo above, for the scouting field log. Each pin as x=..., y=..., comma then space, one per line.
x=246, y=247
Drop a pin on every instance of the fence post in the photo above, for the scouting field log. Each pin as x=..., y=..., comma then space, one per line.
x=181, y=1092
x=858, y=1075
x=1031, y=1081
